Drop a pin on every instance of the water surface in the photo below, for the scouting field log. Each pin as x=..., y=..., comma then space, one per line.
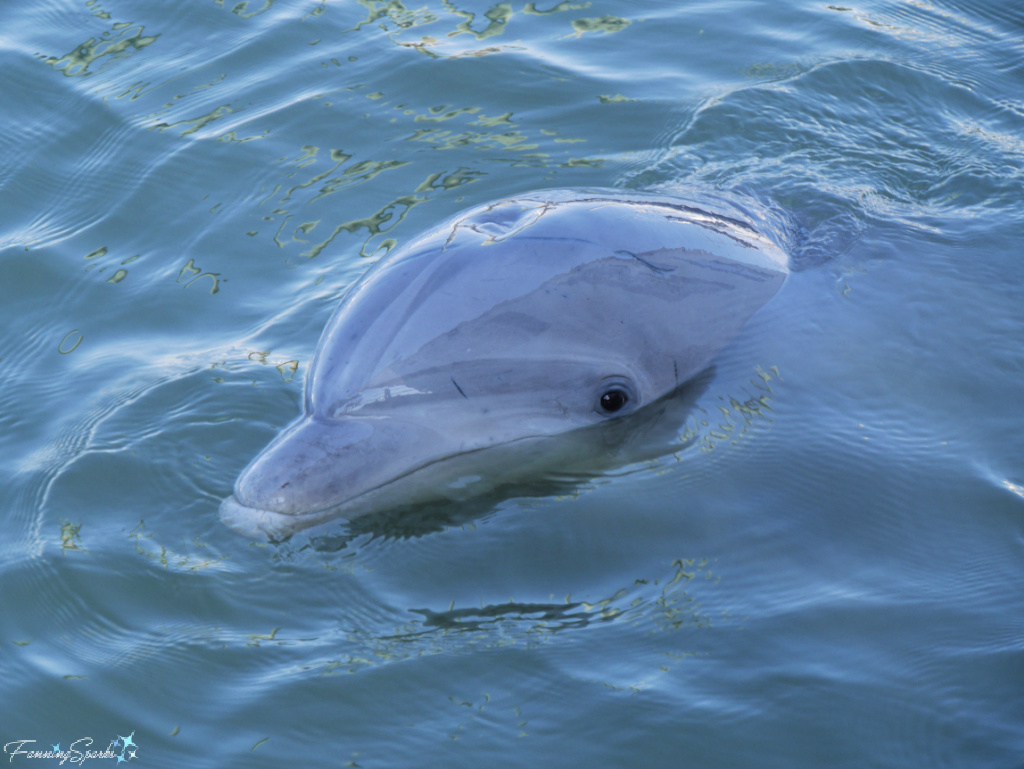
x=827, y=571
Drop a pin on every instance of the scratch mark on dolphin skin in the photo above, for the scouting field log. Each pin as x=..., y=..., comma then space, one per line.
x=458, y=388
x=644, y=262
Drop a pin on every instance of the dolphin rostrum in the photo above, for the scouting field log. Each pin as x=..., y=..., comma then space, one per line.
x=497, y=343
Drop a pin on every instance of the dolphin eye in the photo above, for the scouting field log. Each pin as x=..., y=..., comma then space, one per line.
x=613, y=400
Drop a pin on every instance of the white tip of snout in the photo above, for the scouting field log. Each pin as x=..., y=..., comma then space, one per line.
x=255, y=523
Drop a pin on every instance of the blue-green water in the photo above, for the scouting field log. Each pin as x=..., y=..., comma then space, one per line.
x=829, y=575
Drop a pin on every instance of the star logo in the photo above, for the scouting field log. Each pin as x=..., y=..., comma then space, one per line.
x=127, y=745
x=56, y=748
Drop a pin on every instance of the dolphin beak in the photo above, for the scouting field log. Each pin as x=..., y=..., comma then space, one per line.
x=314, y=468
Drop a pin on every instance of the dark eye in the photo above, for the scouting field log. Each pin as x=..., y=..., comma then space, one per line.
x=613, y=400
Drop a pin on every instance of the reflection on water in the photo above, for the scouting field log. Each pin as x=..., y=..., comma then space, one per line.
x=122, y=38
x=670, y=601
x=148, y=546
x=246, y=9
x=396, y=19
x=736, y=417
x=168, y=171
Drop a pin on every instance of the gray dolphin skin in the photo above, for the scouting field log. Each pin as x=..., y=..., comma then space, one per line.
x=516, y=338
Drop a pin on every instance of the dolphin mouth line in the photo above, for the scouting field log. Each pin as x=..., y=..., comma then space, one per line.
x=313, y=517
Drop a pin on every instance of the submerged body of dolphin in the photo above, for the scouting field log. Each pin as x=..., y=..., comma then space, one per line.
x=503, y=342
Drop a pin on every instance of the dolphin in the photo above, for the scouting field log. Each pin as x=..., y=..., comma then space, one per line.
x=518, y=338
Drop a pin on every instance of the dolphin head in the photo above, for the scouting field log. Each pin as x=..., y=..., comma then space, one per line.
x=517, y=338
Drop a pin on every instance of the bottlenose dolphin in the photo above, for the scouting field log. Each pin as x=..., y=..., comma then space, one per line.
x=517, y=338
